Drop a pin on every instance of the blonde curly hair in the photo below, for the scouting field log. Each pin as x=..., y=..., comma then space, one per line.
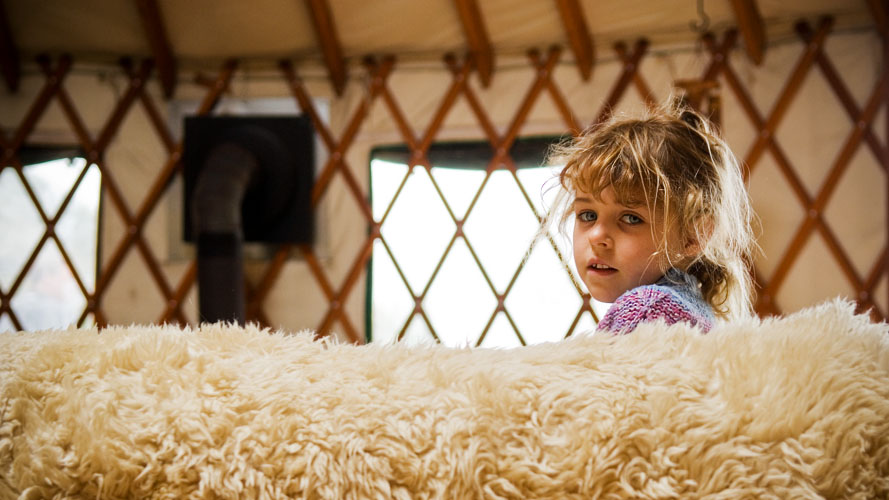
x=685, y=173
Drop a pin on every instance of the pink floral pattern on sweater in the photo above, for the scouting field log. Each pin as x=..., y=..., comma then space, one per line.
x=675, y=298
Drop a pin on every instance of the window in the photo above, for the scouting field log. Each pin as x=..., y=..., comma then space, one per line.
x=47, y=294
x=460, y=274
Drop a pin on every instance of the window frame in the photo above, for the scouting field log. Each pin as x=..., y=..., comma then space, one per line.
x=526, y=152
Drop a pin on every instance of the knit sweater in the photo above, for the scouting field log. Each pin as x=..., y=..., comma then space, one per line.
x=675, y=297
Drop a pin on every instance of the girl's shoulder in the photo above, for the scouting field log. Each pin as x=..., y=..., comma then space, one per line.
x=654, y=302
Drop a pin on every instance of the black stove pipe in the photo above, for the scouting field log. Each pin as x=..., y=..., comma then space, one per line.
x=230, y=171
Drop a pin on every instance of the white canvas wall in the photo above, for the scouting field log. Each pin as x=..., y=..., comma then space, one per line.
x=812, y=133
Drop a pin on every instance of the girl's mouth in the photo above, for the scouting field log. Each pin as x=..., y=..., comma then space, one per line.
x=601, y=269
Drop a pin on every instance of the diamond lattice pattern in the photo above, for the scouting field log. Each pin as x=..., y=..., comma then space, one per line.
x=803, y=224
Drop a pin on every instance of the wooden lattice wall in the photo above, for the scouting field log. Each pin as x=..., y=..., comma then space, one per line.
x=339, y=288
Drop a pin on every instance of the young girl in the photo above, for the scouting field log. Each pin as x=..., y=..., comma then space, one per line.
x=661, y=221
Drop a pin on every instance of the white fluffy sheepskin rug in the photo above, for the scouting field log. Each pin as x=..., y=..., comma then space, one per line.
x=785, y=408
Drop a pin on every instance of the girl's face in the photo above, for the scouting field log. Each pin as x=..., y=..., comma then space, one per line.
x=614, y=245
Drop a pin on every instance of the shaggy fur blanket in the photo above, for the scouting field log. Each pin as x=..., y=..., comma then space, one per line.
x=796, y=407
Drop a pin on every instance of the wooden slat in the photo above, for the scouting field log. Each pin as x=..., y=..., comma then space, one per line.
x=10, y=64
x=153, y=24
x=258, y=295
x=137, y=82
x=5, y=308
x=483, y=121
x=719, y=52
x=379, y=73
x=578, y=36
x=849, y=104
x=784, y=167
x=642, y=87
x=38, y=106
x=878, y=10
x=813, y=207
x=174, y=304
x=419, y=151
x=558, y=99
x=51, y=89
x=49, y=232
x=501, y=146
x=325, y=30
x=31, y=259
x=631, y=66
x=790, y=89
x=336, y=311
x=459, y=73
x=157, y=121
x=526, y=105
x=305, y=103
x=884, y=28
x=752, y=28
x=337, y=156
x=155, y=191
x=479, y=44
x=395, y=110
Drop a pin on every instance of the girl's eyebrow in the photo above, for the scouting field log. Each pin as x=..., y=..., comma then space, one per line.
x=632, y=204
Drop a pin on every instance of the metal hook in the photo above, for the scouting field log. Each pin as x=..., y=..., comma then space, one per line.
x=703, y=24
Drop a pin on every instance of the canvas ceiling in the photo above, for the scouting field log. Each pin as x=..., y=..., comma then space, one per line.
x=202, y=30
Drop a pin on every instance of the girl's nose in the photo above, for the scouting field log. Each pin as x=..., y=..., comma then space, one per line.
x=599, y=236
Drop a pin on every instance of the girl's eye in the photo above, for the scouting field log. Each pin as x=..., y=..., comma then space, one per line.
x=632, y=219
x=587, y=216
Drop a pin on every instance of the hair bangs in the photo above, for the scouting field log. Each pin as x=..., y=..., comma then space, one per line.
x=633, y=184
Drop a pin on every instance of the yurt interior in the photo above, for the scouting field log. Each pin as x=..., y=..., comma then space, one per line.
x=96, y=94
x=371, y=178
